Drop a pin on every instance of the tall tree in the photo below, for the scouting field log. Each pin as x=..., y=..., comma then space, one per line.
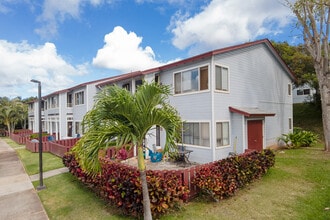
x=120, y=117
x=299, y=60
x=301, y=63
x=11, y=112
x=314, y=18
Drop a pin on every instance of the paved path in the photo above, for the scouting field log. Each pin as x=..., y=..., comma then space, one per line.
x=18, y=198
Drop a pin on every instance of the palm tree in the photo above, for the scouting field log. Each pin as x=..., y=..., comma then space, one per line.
x=120, y=117
x=12, y=112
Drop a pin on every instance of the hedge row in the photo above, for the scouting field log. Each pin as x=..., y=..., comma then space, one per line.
x=222, y=178
x=121, y=186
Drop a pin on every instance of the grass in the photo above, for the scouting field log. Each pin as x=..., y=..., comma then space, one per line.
x=298, y=187
x=31, y=160
x=66, y=198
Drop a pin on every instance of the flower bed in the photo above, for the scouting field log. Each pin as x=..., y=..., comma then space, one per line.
x=120, y=183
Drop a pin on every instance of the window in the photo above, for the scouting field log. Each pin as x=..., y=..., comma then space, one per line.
x=69, y=100
x=307, y=91
x=303, y=92
x=138, y=83
x=289, y=88
x=221, y=78
x=290, y=123
x=222, y=130
x=191, y=80
x=79, y=98
x=78, y=129
x=126, y=86
x=53, y=102
x=196, y=133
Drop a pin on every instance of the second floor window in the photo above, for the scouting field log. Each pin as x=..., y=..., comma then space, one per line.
x=69, y=101
x=191, y=80
x=53, y=102
x=79, y=98
x=221, y=78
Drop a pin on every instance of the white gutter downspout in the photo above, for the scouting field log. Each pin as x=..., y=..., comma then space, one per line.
x=212, y=78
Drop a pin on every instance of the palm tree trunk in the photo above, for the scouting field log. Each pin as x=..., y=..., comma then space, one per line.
x=145, y=191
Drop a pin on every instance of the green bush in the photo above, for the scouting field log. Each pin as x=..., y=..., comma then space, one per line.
x=222, y=178
x=121, y=186
x=36, y=135
x=299, y=138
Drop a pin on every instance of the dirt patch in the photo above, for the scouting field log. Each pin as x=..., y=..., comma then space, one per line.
x=162, y=165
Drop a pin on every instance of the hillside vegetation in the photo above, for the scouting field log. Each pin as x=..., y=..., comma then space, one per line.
x=308, y=117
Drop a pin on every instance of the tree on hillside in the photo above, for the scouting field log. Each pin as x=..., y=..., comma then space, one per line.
x=314, y=18
x=120, y=117
x=301, y=63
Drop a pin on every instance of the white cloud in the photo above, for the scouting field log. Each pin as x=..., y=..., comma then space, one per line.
x=228, y=22
x=21, y=62
x=122, y=51
x=55, y=12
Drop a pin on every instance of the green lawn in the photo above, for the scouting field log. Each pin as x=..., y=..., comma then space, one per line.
x=298, y=187
x=31, y=160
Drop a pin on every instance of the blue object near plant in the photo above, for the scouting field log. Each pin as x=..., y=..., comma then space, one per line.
x=155, y=156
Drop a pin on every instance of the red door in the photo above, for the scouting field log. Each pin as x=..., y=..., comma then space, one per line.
x=255, y=135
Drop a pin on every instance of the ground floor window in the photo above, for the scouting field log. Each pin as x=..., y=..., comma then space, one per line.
x=78, y=129
x=196, y=133
x=222, y=130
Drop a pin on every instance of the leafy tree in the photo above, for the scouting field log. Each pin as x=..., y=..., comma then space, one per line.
x=301, y=63
x=12, y=112
x=120, y=117
x=314, y=18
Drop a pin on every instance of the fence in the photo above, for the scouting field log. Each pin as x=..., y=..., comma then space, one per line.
x=33, y=146
x=20, y=136
x=60, y=147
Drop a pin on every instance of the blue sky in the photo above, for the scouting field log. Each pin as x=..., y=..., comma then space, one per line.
x=63, y=43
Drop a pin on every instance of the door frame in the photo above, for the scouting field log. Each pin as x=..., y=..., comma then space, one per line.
x=263, y=131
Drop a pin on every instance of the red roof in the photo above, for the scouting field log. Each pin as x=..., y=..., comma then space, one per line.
x=206, y=55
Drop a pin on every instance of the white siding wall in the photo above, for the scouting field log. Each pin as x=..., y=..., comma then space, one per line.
x=256, y=80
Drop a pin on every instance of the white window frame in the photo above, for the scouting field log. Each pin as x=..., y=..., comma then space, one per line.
x=180, y=74
x=53, y=101
x=216, y=134
x=79, y=100
x=290, y=123
x=78, y=128
x=215, y=78
x=199, y=135
x=289, y=89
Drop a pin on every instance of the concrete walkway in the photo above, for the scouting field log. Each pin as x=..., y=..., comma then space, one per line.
x=18, y=198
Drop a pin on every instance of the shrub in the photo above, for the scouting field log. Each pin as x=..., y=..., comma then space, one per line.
x=222, y=178
x=121, y=186
x=299, y=138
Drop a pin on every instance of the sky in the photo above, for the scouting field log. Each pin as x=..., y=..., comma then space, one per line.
x=63, y=43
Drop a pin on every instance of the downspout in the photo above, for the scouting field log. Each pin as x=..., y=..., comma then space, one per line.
x=212, y=81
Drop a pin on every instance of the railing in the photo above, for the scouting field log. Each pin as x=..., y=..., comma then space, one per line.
x=20, y=136
x=33, y=146
x=60, y=147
